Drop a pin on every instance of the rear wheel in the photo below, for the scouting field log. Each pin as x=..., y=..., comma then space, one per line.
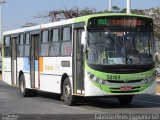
x=125, y=100
x=68, y=98
x=23, y=90
x=22, y=85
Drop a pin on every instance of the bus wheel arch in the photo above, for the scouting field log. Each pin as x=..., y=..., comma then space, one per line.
x=66, y=90
x=20, y=73
x=25, y=92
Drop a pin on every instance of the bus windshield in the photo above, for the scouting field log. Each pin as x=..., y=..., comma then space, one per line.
x=115, y=47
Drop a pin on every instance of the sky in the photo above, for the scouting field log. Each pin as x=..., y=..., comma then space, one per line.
x=15, y=13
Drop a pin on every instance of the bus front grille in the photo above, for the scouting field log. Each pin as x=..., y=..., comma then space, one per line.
x=123, y=81
x=133, y=91
x=118, y=90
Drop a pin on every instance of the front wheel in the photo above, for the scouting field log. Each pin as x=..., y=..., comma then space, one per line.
x=68, y=98
x=125, y=100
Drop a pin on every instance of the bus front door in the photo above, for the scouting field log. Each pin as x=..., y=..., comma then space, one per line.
x=78, y=63
x=14, y=60
x=34, y=74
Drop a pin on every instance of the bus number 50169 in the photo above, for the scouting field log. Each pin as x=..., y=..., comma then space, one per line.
x=113, y=77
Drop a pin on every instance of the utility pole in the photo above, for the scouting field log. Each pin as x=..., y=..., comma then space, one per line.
x=1, y=2
x=110, y=5
x=128, y=6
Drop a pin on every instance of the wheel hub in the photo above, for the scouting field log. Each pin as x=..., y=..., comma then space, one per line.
x=67, y=92
x=22, y=86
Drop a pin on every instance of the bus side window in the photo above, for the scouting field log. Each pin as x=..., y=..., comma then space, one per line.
x=55, y=45
x=66, y=47
x=45, y=43
x=7, y=46
x=20, y=51
x=27, y=46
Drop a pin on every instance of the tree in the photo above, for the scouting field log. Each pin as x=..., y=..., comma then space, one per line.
x=105, y=11
x=56, y=15
x=115, y=9
x=136, y=11
x=124, y=10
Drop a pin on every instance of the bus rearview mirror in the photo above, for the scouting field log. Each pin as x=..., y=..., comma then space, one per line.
x=83, y=38
x=83, y=41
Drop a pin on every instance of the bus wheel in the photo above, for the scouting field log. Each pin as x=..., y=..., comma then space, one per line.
x=125, y=100
x=22, y=85
x=67, y=93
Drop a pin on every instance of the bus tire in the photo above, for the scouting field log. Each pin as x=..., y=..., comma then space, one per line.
x=125, y=99
x=68, y=98
x=22, y=86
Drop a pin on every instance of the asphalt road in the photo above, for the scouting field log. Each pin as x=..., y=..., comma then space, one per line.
x=48, y=104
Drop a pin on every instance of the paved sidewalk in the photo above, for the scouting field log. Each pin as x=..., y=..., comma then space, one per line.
x=158, y=86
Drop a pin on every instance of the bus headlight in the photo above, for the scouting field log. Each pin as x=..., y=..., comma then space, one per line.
x=104, y=82
x=148, y=80
x=97, y=80
x=145, y=81
x=91, y=76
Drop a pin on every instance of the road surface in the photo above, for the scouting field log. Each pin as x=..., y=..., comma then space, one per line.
x=48, y=104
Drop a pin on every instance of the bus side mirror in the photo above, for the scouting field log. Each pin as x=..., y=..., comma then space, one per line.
x=83, y=40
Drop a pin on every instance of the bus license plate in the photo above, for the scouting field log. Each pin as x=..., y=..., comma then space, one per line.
x=126, y=88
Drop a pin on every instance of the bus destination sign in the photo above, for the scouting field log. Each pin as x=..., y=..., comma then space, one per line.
x=128, y=23
x=120, y=21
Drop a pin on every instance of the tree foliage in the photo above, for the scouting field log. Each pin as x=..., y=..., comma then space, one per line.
x=115, y=9
x=56, y=15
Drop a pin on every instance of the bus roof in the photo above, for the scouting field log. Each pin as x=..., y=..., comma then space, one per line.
x=85, y=18
x=68, y=21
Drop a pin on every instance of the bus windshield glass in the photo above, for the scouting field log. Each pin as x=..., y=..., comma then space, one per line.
x=115, y=47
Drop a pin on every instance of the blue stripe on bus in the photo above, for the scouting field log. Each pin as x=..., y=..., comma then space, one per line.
x=26, y=64
x=36, y=65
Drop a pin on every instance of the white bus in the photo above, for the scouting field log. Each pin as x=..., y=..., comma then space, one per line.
x=94, y=55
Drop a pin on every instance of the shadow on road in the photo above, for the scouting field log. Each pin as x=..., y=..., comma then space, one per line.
x=113, y=103
x=139, y=101
x=105, y=102
x=49, y=95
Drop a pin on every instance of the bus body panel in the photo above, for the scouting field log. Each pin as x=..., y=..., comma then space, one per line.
x=53, y=65
x=7, y=71
x=50, y=83
x=90, y=88
x=23, y=66
x=27, y=80
x=95, y=83
x=51, y=72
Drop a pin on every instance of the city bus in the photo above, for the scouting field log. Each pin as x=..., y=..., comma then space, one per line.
x=98, y=55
